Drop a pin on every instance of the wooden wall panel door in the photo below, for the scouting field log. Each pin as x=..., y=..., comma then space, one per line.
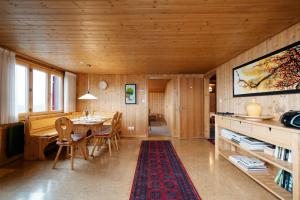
x=191, y=107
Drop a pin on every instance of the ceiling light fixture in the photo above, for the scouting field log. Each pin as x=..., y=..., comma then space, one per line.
x=88, y=95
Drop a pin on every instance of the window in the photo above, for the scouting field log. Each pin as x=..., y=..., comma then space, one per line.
x=37, y=88
x=21, y=88
x=56, y=93
x=40, y=91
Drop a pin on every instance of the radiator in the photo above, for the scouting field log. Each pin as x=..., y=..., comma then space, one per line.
x=15, y=140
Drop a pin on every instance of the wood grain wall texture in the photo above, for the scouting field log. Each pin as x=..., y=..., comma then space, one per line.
x=170, y=106
x=274, y=104
x=191, y=107
x=113, y=99
x=156, y=102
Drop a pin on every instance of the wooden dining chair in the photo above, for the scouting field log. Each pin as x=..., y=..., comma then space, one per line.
x=66, y=138
x=107, y=134
x=119, y=125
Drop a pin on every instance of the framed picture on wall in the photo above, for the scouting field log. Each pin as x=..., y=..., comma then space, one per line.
x=130, y=94
x=275, y=73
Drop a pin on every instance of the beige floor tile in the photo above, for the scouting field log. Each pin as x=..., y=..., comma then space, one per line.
x=110, y=178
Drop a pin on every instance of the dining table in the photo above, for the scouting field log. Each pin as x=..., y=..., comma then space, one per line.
x=86, y=126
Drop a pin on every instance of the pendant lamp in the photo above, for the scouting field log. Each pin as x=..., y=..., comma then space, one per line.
x=88, y=95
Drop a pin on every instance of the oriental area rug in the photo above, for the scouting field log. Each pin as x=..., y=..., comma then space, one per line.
x=160, y=175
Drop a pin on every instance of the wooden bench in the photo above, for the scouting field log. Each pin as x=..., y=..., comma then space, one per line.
x=39, y=133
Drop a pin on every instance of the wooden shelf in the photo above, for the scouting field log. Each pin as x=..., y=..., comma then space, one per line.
x=266, y=179
x=265, y=157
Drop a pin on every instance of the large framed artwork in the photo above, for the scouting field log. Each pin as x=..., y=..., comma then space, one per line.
x=275, y=73
x=130, y=94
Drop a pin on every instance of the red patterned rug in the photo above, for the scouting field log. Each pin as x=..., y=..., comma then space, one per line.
x=160, y=175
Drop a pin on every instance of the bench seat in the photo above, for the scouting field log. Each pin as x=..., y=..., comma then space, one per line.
x=40, y=132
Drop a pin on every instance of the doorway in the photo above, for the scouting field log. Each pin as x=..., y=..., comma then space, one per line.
x=158, y=107
x=210, y=102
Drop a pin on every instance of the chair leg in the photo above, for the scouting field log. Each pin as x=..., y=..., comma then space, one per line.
x=86, y=149
x=94, y=147
x=109, y=146
x=83, y=152
x=57, y=156
x=72, y=157
x=116, y=143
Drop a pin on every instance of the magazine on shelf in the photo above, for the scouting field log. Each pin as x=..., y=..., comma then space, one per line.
x=248, y=164
x=252, y=141
x=253, y=147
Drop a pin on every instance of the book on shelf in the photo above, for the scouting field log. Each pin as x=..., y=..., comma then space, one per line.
x=283, y=154
x=247, y=163
x=284, y=179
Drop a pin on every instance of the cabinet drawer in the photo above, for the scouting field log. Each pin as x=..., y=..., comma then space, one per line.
x=272, y=135
x=224, y=123
x=241, y=127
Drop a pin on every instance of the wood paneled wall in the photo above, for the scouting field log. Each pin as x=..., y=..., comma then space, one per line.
x=191, y=107
x=170, y=106
x=156, y=102
x=113, y=99
x=275, y=104
x=185, y=114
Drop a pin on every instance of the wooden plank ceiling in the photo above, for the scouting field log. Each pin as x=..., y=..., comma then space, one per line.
x=141, y=36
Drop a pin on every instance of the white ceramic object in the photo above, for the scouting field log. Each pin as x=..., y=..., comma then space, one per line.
x=103, y=85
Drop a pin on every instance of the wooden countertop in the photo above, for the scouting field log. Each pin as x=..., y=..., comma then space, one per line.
x=269, y=123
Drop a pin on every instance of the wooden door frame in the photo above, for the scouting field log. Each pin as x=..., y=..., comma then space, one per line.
x=175, y=78
x=206, y=115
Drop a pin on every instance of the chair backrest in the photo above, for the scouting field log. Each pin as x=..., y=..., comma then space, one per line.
x=114, y=121
x=64, y=128
x=119, y=120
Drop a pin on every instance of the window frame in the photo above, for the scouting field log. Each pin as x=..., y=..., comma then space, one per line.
x=50, y=71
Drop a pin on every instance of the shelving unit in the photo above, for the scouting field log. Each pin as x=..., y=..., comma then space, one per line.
x=265, y=157
x=266, y=178
x=268, y=131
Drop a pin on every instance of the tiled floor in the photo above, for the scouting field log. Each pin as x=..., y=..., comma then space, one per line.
x=159, y=130
x=110, y=178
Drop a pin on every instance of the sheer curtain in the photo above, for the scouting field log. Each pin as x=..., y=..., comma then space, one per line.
x=70, y=92
x=8, y=113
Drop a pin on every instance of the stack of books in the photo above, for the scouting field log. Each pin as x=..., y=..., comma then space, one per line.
x=283, y=154
x=230, y=135
x=247, y=163
x=253, y=144
x=285, y=180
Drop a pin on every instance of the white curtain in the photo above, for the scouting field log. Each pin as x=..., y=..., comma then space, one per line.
x=8, y=112
x=69, y=92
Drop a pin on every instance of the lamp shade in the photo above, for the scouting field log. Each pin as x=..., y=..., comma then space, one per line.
x=87, y=96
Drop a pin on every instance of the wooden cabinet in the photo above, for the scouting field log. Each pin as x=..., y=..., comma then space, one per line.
x=269, y=131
